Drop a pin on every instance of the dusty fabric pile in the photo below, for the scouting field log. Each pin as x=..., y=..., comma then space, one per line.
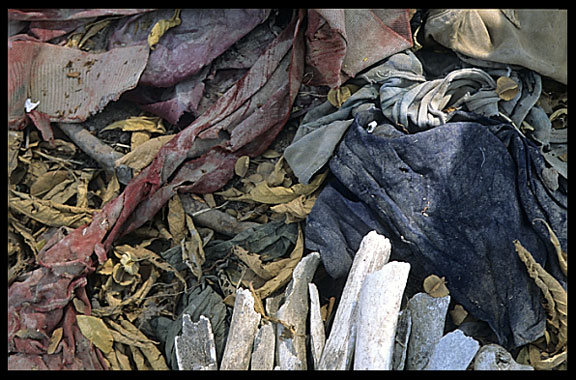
x=452, y=200
x=535, y=39
x=244, y=120
x=399, y=88
x=432, y=152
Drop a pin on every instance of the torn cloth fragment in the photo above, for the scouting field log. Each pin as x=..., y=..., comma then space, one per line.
x=533, y=38
x=452, y=200
x=69, y=84
x=342, y=42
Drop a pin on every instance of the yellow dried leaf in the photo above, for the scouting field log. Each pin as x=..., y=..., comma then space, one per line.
x=297, y=209
x=458, y=314
x=176, y=219
x=271, y=154
x=144, y=154
x=337, y=96
x=562, y=256
x=506, y=88
x=253, y=261
x=435, y=286
x=96, y=331
x=50, y=213
x=138, y=138
x=47, y=181
x=276, y=177
x=285, y=273
x=151, y=124
x=263, y=193
x=161, y=27
x=82, y=188
x=54, y=340
x=112, y=190
x=127, y=333
x=241, y=166
x=193, y=250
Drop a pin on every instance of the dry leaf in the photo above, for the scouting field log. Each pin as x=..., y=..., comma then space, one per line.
x=435, y=286
x=161, y=27
x=506, y=88
x=54, y=340
x=140, y=345
x=176, y=219
x=556, y=298
x=337, y=96
x=562, y=256
x=297, y=209
x=263, y=193
x=50, y=213
x=112, y=190
x=82, y=188
x=96, y=331
x=276, y=177
x=138, y=138
x=144, y=154
x=241, y=166
x=151, y=124
x=287, y=267
x=458, y=314
x=45, y=182
x=193, y=250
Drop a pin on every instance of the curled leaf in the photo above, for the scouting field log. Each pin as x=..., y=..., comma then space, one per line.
x=54, y=340
x=241, y=166
x=506, y=88
x=161, y=27
x=556, y=298
x=435, y=286
x=337, y=96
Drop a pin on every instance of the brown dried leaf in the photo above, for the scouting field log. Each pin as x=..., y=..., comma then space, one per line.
x=54, y=340
x=50, y=213
x=506, y=88
x=241, y=166
x=47, y=181
x=96, y=331
x=176, y=219
x=556, y=298
x=435, y=286
x=161, y=27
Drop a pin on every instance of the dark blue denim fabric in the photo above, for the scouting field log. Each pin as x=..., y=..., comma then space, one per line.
x=452, y=199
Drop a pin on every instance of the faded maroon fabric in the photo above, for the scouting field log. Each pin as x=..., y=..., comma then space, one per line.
x=46, y=24
x=202, y=35
x=343, y=42
x=69, y=84
x=172, y=83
